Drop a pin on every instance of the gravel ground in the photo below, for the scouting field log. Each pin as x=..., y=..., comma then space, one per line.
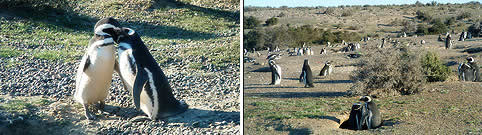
x=212, y=92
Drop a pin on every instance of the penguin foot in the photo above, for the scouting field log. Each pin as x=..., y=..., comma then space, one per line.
x=88, y=114
x=100, y=106
x=140, y=119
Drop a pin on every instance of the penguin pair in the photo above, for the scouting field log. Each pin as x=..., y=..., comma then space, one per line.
x=363, y=115
x=275, y=73
x=138, y=70
x=306, y=76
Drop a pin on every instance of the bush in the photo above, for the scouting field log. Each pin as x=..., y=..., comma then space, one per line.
x=281, y=14
x=272, y=21
x=424, y=16
x=347, y=13
x=464, y=15
x=438, y=27
x=422, y=29
x=433, y=68
x=387, y=72
x=251, y=22
x=254, y=39
x=36, y=4
x=330, y=11
x=475, y=29
x=451, y=21
x=408, y=26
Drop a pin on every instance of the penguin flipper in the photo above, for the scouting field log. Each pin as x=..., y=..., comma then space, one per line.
x=86, y=64
x=140, y=81
x=116, y=69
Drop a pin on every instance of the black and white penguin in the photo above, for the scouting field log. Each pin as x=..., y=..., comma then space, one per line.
x=94, y=74
x=143, y=76
x=327, y=69
x=475, y=68
x=355, y=121
x=275, y=73
x=306, y=76
x=372, y=116
x=448, y=42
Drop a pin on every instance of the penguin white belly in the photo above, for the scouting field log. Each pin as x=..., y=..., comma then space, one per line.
x=94, y=83
x=126, y=69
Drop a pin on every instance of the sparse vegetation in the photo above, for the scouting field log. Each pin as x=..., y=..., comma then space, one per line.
x=464, y=15
x=475, y=29
x=400, y=73
x=347, y=13
x=422, y=29
x=433, y=68
x=438, y=27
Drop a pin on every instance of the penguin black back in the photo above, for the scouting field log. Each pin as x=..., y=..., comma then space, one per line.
x=306, y=72
x=148, y=67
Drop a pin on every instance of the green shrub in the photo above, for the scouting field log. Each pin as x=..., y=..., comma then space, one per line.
x=433, y=68
x=422, y=29
x=251, y=22
x=450, y=21
x=475, y=29
x=272, y=21
x=387, y=72
x=424, y=16
x=464, y=15
x=438, y=27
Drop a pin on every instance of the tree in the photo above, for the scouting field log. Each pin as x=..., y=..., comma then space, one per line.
x=251, y=22
x=272, y=21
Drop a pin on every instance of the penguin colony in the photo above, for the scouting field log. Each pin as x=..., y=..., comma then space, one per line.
x=139, y=72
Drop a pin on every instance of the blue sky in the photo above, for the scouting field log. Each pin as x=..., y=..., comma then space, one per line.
x=313, y=3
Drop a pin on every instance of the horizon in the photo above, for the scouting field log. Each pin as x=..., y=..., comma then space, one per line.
x=335, y=3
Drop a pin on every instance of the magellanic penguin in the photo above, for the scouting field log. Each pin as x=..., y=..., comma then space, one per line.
x=94, y=74
x=475, y=68
x=372, y=116
x=144, y=78
x=355, y=121
x=306, y=76
x=327, y=69
x=275, y=73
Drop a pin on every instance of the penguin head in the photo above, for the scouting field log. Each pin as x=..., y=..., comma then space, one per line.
x=366, y=99
x=306, y=62
x=123, y=34
x=470, y=59
x=105, y=27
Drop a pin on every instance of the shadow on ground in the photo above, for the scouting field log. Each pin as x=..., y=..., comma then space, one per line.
x=67, y=18
x=334, y=81
x=278, y=126
x=202, y=118
x=296, y=94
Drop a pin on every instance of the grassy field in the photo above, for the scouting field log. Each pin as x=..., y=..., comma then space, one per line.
x=449, y=107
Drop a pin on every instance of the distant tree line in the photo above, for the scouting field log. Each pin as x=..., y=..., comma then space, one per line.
x=286, y=36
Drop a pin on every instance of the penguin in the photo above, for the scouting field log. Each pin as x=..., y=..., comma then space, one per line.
x=371, y=116
x=275, y=73
x=475, y=68
x=306, y=76
x=323, y=51
x=327, y=69
x=95, y=70
x=144, y=78
x=465, y=72
x=273, y=56
x=354, y=121
x=448, y=42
